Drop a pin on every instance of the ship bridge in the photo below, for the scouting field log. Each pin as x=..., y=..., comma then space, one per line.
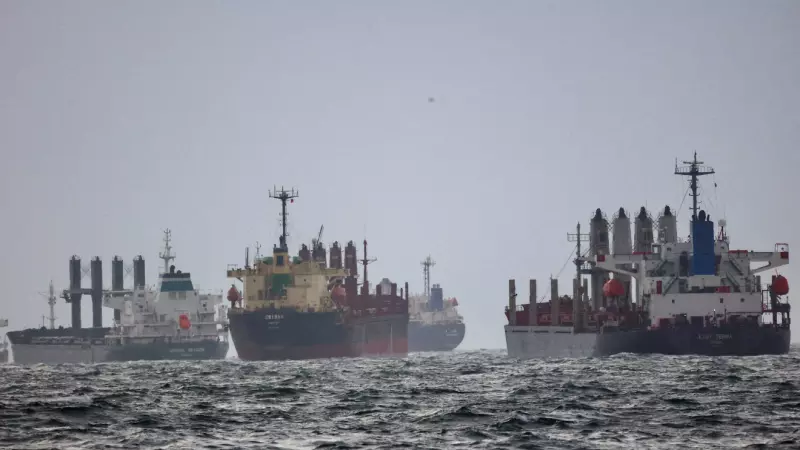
x=698, y=277
x=175, y=281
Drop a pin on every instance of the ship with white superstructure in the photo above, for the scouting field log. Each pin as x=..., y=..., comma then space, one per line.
x=434, y=322
x=3, y=343
x=172, y=321
x=700, y=295
x=668, y=296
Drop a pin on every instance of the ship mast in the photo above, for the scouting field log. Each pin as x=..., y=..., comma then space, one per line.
x=365, y=261
x=167, y=255
x=577, y=301
x=284, y=197
x=426, y=272
x=577, y=237
x=693, y=169
x=51, y=300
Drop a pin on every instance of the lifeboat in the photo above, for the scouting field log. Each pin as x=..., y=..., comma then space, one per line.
x=613, y=288
x=780, y=286
x=233, y=295
x=184, y=322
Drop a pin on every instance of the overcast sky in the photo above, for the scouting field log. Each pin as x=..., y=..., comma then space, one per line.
x=120, y=119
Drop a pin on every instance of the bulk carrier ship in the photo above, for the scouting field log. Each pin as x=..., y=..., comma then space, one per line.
x=698, y=296
x=434, y=324
x=173, y=322
x=304, y=308
x=3, y=343
x=694, y=296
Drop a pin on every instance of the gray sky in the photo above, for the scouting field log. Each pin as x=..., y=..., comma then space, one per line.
x=120, y=119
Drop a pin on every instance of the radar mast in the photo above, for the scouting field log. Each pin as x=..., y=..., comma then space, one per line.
x=284, y=196
x=51, y=301
x=426, y=272
x=167, y=254
x=693, y=169
x=365, y=261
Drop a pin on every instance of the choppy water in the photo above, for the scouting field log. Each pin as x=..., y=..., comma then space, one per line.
x=476, y=399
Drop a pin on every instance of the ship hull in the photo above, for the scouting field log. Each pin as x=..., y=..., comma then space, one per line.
x=195, y=350
x=434, y=337
x=738, y=341
x=59, y=346
x=528, y=342
x=88, y=345
x=287, y=334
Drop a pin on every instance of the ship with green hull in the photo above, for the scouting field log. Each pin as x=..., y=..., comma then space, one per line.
x=171, y=322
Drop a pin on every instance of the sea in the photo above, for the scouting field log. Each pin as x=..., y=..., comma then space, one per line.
x=463, y=399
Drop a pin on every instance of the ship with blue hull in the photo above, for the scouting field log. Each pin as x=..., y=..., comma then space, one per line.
x=306, y=307
x=437, y=337
x=696, y=296
x=434, y=322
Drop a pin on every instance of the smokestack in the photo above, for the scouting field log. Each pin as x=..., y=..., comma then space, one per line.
x=512, y=303
x=577, y=317
x=598, y=244
x=533, y=314
x=406, y=290
x=75, y=290
x=351, y=259
x=138, y=272
x=117, y=283
x=97, y=292
x=585, y=298
x=555, y=303
x=336, y=256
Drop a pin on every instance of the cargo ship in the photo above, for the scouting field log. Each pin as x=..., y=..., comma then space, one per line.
x=293, y=308
x=694, y=296
x=174, y=321
x=562, y=326
x=4, y=343
x=697, y=296
x=434, y=323
x=548, y=329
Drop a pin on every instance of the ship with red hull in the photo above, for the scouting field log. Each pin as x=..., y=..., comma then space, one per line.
x=306, y=307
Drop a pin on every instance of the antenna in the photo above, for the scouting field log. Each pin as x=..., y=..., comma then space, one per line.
x=577, y=237
x=283, y=196
x=51, y=300
x=258, y=252
x=167, y=255
x=578, y=318
x=426, y=272
x=364, y=262
x=693, y=169
x=317, y=242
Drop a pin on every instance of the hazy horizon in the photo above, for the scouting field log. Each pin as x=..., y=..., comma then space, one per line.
x=120, y=120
